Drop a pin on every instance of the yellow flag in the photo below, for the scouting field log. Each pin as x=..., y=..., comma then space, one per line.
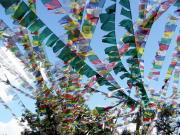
x=140, y=50
x=167, y=34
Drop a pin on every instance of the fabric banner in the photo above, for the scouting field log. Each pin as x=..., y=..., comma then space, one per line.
x=144, y=26
x=108, y=25
x=51, y=4
x=130, y=50
x=66, y=54
x=24, y=39
x=174, y=67
x=75, y=9
x=82, y=39
x=36, y=44
x=170, y=28
x=176, y=80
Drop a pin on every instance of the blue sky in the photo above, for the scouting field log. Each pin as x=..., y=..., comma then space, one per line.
x=97, y=100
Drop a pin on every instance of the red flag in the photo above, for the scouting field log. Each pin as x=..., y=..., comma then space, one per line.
x=52, y=4
x=163, y=47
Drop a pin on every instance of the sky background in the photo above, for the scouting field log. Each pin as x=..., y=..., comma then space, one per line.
x=51, y=20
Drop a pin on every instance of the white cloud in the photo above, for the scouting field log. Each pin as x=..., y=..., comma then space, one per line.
x=4, y=93
x=10, y=128
x=131, y=127
x=8, y=60
x=14, y=64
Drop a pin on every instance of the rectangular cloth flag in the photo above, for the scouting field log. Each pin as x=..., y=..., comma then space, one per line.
x=51, y=4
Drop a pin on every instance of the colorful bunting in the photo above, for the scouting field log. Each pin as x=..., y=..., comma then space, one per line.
x=75, y=9
x=84, y=69
x=66, y=85
x=170, y=28
x=144, y=26
x=82, y=40
x=129, y=49
x=174, y=66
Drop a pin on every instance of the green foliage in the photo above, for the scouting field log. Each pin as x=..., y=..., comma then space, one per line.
x=167, y=120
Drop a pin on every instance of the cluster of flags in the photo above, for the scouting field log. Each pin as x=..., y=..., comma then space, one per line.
x=79, y=20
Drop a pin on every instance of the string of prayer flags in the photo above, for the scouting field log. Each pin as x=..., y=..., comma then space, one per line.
x=44, y=36
x=31, y=55
x=113, y=52
x=70, y=24
x=78, y=48
x=82, y=41
x=92, y=10
x=75, y=9
x=172, y=65
x=108, y=25
x=128, y=40
x=153, y=16
x=144, y=26
x=70, y=57
x=146, y=6
x=36, y=44
x=142, y=34
x=91, y=17
x=177, y=68
x=170, y=28
x=165, y=6
x=175, y=84
x=132, y=53
x=101, y=110
x=152, y=4
x=24, y=39
x=169, y=73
